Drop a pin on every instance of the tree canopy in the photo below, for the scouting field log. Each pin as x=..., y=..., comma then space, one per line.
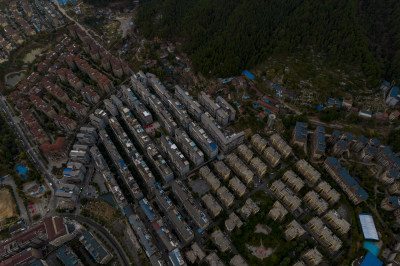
x=223, y=37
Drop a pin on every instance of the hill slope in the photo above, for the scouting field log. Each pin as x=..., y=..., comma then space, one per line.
x=224, y=37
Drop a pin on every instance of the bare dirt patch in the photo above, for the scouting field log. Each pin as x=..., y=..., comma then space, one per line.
x=101, y=210
x=7, y=205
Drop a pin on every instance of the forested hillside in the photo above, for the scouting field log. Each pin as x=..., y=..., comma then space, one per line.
x=224, y=37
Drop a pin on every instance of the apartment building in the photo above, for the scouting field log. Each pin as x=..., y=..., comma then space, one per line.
x=226, y=142
x=186, y=198
x=348, y=184
x=207, y=145
x=188, y=147
x=191, y=105
x=280, y=144
x=175, y=156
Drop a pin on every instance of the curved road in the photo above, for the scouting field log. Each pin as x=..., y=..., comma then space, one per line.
x=117, y=247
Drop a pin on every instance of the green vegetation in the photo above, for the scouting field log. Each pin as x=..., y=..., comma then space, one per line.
x=225, y=37
x=8, y=147
x=286, y=252
x=394, y=140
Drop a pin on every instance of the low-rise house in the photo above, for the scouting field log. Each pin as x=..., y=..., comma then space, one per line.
x=240, y=168
x=286, y=195
x=258, y=143
x=338, y=223
x=295, y=182
x=259, y=166
x=221, y=241
x=309, y=172
x=233, y=222
x=278, y=212
x=293, y=230
x=225, y=196
x=327, y=192
x=222, y=170
x=245, y=153
x=315, y=202
x=238, y=260
x=324, y=235
x=237, y=186
x=272, y=156
x=249, y=208
x=280, y=144
x=313, y=257
x=212, y=205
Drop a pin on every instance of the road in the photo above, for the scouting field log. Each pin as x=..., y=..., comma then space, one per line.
x=49, y=178
x=115, y=244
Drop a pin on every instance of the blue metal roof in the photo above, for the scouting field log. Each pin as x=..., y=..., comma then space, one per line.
x=371, y=260
x=395, y=201
x=375, y=141
x=342, y=143
x=385, y=83
x=347, y=178
x=348, y=136
x=301, y=131
x=362, y=139
x=96, y=249
x=336, y=133
x=394, y=92
x=147, y=210
x=66, y=257
x=321, y=138
x=248, y=74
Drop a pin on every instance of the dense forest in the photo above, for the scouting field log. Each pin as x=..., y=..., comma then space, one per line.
x=8, y=148
x=223, y=37
x=99, y=3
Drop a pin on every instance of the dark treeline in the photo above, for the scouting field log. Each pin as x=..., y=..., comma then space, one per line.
x=8, y=148
x=99, y=3
x=223, y=37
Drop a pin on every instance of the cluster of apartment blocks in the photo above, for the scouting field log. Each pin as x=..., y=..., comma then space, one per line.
x=121, y=166
x=164, y=103
x=272, y=154
x=125, y=174
x=317, y=202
